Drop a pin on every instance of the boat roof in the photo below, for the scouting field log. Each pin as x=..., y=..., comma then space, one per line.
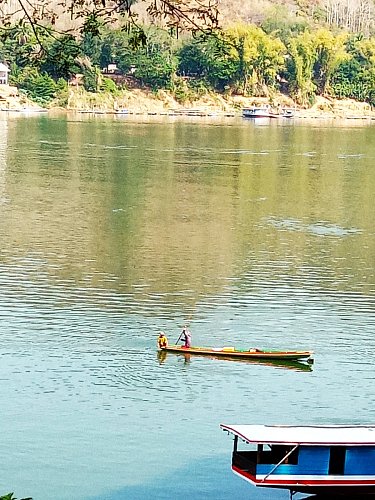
x=314, y=435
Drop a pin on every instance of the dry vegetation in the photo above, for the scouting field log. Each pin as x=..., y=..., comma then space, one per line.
x=354, y=15
x=251, y=12
x=145, y=102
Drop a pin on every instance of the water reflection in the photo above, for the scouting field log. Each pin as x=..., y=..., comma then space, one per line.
x=135, y=200
x=288, y=365
x=319, y=228
x=206, y=479
x=3, y=157
x=162, y=356
x=112, y=231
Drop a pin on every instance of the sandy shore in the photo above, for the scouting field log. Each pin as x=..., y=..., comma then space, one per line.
x=144, y=102
x=139, y=101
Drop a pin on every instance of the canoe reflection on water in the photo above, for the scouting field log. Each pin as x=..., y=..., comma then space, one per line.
x=277, y=363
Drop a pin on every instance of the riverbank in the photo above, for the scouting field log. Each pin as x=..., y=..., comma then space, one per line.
x=140, y=101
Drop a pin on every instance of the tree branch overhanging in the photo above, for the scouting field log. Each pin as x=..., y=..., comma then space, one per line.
x=182, y=15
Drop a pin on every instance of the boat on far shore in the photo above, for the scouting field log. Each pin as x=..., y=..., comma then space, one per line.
x=267, y=112
x=287, y=113
x=31, y=109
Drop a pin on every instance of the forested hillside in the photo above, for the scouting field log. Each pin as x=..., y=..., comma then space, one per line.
x=353, y=15
x=325, y=47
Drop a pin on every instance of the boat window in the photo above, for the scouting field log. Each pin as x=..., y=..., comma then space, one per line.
x=337, y=460
x=281, y=451
x=277, y=454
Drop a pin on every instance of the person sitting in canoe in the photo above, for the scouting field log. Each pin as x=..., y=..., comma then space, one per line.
x=162, y=340
x=186, y=338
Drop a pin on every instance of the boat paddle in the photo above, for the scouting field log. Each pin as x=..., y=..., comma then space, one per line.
x=178, y=340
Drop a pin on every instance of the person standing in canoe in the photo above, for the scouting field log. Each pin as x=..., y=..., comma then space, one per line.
x=186, y=337
x=162, y=340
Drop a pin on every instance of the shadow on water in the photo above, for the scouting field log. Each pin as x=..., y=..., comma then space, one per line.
x=206, y=479
x=288, y=365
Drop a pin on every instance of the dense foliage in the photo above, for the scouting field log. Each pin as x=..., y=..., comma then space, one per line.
x=243, y=58
x=10, y=496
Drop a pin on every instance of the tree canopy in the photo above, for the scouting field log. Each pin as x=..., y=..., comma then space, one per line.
x=88, y=16
x=301, y=61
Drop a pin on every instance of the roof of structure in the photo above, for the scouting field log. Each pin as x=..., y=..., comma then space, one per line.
x=314, y=435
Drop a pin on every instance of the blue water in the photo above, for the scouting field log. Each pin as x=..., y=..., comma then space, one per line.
x=113, y=230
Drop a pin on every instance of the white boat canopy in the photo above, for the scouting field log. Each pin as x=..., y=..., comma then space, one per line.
x=313, y=435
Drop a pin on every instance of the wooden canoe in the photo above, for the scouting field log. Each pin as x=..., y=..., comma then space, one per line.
x=287, y=364
x=242, y=354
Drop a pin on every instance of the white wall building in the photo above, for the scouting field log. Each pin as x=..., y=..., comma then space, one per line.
x=3, y=74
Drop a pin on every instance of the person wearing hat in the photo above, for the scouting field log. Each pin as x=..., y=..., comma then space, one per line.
x=162, y=341
x=186, y=337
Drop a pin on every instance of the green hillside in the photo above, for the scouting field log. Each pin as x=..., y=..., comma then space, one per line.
x=324, y=48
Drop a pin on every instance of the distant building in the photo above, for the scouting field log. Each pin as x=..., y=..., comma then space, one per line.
x=3, y=74
x=112, y=69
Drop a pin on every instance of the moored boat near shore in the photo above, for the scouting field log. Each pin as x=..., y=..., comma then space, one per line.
x=267, y=112
x=287, y=113
x=259, y=112
x=334, y=459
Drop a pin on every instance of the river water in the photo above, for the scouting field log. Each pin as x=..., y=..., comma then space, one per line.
x=254, y=234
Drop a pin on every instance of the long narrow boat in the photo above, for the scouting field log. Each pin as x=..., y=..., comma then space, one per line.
x=259, y=112
x=241, y=354
x=295, y=365
x=320, y=459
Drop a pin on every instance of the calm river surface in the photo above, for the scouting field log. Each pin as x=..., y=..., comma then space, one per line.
x=254, y=234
